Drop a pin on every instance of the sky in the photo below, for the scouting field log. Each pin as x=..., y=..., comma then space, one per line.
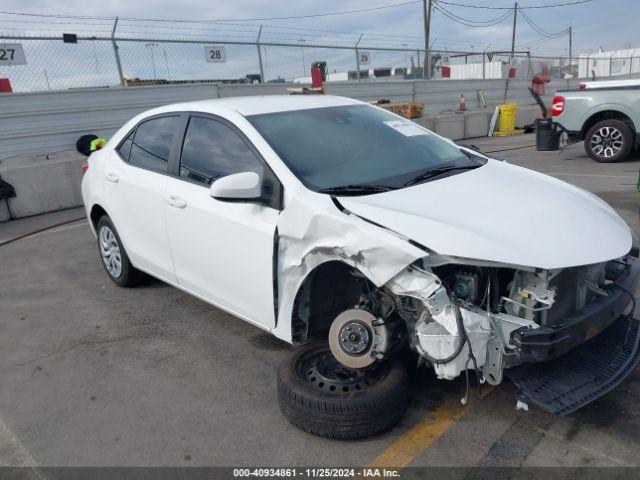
x=610, y=24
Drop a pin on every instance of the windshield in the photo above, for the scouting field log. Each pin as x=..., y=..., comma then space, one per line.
x=358, y=148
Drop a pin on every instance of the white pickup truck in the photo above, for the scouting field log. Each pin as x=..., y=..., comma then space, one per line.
x=605, y=114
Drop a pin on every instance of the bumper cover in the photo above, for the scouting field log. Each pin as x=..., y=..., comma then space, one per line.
x=582, y=375
x=587, y=371
x=550, y=342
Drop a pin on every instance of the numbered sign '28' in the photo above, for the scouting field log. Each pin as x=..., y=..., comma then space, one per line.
x=215, y=54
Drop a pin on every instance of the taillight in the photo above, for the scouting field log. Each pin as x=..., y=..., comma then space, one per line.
x=558, y=106
x=85, y=167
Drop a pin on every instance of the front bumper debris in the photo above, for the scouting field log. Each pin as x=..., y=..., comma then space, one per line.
x=550, y=342
x=582, y=375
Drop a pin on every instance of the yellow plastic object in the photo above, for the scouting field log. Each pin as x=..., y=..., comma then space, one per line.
x=507, y=117
x=507, y=120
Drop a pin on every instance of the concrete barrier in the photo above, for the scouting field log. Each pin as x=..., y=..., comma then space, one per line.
x=476, y=124
x=43, y=184
x=526, y=114
x=450, y=125
x=426, y=122
x=4, y=211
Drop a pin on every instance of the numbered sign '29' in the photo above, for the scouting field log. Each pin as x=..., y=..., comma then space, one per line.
x=365, y=58
x=11, y=54
x=215, y=54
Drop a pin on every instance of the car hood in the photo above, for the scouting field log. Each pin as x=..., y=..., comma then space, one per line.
x=502, y=213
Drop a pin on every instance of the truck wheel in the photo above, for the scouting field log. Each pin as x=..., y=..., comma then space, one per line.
x=322, y=397
x=114, y=258
x=609, y=141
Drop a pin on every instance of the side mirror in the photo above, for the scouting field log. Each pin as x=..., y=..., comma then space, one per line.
x=239, y=186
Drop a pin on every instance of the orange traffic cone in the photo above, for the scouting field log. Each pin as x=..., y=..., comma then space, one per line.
x=463, y=105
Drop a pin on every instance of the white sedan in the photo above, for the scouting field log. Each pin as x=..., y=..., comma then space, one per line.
x=353, y=233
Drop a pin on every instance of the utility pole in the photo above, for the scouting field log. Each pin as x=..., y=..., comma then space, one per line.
x=513, y=33
x=426, y=8
x=513, y=48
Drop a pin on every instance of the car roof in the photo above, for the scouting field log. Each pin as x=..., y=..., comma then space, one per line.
x=259, y=104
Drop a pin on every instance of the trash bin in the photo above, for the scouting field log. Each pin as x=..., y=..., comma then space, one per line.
x=547, y=135
x=507, y=118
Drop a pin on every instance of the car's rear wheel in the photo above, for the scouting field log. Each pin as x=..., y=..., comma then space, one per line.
x=609, y=141
x=114, y=257
x=321, y=396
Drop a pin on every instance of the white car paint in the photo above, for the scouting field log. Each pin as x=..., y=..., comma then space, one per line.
x=519, y=217
x=223, y=252
x=610, y=83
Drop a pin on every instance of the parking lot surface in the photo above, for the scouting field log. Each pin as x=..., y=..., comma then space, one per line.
x=95, y=375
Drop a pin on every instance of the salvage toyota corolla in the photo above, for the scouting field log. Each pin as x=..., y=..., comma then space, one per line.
x=353, y=233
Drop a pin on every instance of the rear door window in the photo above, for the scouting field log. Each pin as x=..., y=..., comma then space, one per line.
x=151, y=144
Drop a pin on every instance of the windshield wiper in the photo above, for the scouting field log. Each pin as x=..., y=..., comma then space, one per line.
x=426, y=175
x=356, y=189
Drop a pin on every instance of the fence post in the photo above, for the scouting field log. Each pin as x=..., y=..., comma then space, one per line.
x=586, y=73
x=418, y=54
x=358, y=57
x=262, y=80
x=123, y=82
x=610, y=63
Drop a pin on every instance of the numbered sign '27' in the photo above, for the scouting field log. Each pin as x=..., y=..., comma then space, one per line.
x=215, y=54
x=11, y=54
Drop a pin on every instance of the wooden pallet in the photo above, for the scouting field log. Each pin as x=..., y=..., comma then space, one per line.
x=405, y=109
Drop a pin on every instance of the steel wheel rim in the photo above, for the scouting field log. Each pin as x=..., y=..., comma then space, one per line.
x=323, y=372
x=110, y=251
x=606, y=142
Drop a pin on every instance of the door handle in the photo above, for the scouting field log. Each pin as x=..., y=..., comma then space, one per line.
x=175, y=201
x=111, y=177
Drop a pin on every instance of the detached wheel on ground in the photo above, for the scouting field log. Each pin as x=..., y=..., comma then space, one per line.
x=609, y=141
x=320, y=396
x=114, y=258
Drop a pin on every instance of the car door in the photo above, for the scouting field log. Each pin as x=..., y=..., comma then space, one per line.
x=136, y=178
x=223, y=250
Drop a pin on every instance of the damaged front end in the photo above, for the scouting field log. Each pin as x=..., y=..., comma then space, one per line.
x=491, y=318
x=369, y=291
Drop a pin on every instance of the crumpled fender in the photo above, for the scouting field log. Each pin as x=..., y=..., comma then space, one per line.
x=312, y=234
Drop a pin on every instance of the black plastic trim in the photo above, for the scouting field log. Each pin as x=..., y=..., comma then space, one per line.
x=549, y=342
x=6, y=190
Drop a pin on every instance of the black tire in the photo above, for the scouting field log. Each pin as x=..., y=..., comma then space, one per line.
x=363, y=410
x=128, y=275
x=626, y=136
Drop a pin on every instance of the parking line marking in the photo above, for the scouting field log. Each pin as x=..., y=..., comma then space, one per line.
x=15, y=454
x=406, y=448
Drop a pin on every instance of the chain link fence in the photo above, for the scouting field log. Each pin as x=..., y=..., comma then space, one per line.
x=46, y=63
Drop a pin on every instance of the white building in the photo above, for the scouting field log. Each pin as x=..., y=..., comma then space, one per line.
x=610, y=63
